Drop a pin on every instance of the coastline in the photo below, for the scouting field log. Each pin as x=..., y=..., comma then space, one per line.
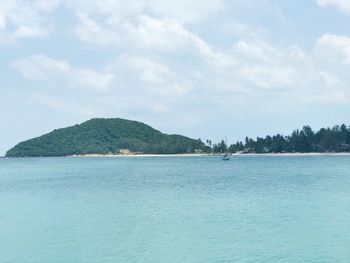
x=137, y=155
x=340, y=154
x=296, y=154
x=207, y=155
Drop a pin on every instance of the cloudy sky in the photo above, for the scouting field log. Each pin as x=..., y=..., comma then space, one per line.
x=200, y=68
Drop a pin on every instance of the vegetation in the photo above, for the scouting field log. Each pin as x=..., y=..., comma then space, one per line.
x=336, y=139
x=105, y=136
x=109, y=136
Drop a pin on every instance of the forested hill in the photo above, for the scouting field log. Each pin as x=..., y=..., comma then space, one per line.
x=105, y=136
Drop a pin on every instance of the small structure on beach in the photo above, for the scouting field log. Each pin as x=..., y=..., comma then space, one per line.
x=125, y=151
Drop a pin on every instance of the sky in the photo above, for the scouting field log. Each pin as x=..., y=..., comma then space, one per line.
x=204, y=69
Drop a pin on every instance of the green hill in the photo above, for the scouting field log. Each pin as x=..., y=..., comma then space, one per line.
x=104, y=136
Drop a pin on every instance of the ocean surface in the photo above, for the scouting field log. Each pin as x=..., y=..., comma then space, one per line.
x=175, y=209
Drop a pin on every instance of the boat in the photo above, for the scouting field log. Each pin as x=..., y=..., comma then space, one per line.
x=226, y=156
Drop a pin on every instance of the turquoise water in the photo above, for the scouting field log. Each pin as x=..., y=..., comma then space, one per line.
x=175, y=209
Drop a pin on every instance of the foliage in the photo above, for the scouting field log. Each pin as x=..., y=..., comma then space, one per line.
x=336, y=139
x=104, y=136
x=108, y=136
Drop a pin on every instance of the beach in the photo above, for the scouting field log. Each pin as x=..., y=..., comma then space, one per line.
x=206, y=155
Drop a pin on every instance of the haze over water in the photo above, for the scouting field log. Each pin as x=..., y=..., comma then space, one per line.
x=175, y=209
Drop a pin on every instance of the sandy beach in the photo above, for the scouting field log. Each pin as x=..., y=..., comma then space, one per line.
x=206, y=155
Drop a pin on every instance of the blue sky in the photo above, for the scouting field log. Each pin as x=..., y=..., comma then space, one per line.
x=199, y=68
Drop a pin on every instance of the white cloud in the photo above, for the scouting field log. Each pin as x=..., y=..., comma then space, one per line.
x=255, y=73
x=170, y=36
x=149, y=35
x=163, y=63
x=2, y=22
x=107, y=8
x=147, y=70
x=333, y=48
x=342, y=5
x=150, y=79
x=165, y=59
x=61, y=74
x=27, y=32
x=249, y=49
x=88, y=30
x=152, y=23
x=186, y=11
x=25, y=19
x=182, y=10
x=286, y=77
x=130, y=83
x=164, y=35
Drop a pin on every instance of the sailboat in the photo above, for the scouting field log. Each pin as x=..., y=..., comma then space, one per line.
x=226, y=156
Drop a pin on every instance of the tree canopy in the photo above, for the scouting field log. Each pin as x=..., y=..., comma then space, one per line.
x=105, y=136
x=336, y=139
x=109, y=136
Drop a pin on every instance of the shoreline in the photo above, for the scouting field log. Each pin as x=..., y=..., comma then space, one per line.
x=208, y=155
x=296, y=154
x=137, y=155
x=344, y=154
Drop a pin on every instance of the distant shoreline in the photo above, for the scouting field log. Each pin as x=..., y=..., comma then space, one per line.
x=296, y=154
x=206, y=155
x=138, y=155
x=187, y=155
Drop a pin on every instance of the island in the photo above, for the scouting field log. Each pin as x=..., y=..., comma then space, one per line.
x=106, y=136
x=115, y=137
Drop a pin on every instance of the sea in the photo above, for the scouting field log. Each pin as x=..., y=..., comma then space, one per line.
x=175, y=209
